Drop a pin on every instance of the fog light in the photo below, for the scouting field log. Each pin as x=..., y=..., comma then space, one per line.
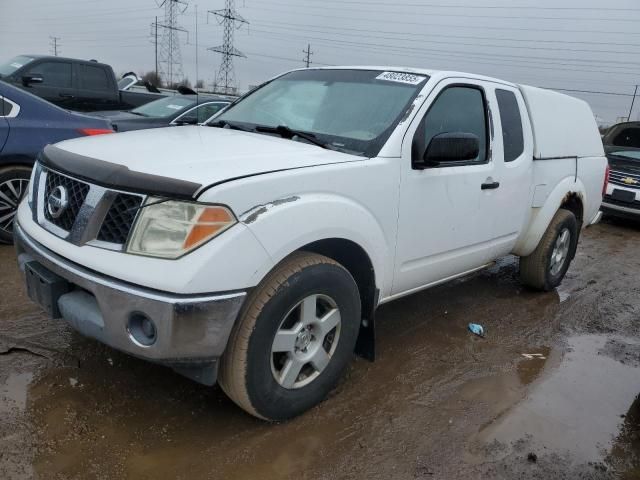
x=142, y=330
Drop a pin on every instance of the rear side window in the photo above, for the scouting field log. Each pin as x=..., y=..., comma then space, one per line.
x=629, y=137
x=94, y=78
x=512, y=137
x=8, y=109
x=54, y=74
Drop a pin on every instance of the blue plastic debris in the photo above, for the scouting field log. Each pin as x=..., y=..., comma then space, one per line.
x=476, y=329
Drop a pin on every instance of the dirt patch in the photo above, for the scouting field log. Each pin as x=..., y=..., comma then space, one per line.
x=438, y=402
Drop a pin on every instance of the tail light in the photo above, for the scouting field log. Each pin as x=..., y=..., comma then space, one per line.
x=94, y=131
x=606, y=181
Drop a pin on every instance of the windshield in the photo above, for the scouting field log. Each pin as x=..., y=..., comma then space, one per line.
x=165, y=107
x=126, y=82
x=350, y=110
x=14, y=64
x=632, y=154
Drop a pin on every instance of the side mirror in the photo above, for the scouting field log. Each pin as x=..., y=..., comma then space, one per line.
x=29, y=79
x=451, y=147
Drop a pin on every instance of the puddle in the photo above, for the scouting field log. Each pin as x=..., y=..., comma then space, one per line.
x=14, y=391
x=579, y=408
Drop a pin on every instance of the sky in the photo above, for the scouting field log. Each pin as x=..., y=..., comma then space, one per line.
x=587, y=45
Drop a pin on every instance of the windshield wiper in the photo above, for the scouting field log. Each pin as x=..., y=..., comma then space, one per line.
x=233, y=126
x=137, y=113
x=286, y=132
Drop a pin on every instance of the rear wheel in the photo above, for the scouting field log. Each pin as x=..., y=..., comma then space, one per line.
x=547, y=265
x=294, y=339
x=14, y=182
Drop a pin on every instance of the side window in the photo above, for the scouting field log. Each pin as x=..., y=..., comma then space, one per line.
x=457, y=109
x=629, y=137
x=54, y=74
x=205, y=112
x=94, y=78
x=512, y=137
x=8, y=109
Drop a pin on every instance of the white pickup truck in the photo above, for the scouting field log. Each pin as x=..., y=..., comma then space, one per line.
x=254, y=251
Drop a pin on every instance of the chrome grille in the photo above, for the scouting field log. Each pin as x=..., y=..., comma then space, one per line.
x=629, y=180
x=119, y=220
x=93, y=215
x=77, y=193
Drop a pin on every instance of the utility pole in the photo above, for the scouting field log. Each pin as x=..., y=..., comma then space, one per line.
x=154, y=34
x=170, y=62
x=228, y=17
x=54, y=45
x=633, y=100
x=308, y=53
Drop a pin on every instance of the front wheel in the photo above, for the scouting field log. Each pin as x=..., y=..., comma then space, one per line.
x=14, y=182
x=294, y=338
x=547, y=265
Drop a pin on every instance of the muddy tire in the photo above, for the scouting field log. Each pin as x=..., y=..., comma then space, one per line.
x=14, y=181
x=547, y=265
x=294, y=338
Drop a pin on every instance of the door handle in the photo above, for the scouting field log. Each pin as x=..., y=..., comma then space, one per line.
x=66, y=95
x=490, y=185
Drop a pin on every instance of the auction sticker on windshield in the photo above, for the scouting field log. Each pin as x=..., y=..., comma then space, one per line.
x=409, y=78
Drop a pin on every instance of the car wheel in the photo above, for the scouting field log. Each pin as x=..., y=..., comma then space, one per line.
x=294, y=339
x=14, y=182
x=547, y=265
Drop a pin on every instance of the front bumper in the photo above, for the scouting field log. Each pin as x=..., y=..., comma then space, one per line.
x=191, y=330
x=620, y=211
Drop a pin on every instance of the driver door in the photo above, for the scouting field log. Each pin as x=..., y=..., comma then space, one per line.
x=446, y=219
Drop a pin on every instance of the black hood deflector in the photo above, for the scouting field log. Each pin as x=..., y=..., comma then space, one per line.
x=116, y=176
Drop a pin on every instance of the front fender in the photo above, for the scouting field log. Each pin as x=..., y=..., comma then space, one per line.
x=288, y=224
x=541, y=216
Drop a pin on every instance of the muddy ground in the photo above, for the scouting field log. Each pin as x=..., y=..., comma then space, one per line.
x=550, y=392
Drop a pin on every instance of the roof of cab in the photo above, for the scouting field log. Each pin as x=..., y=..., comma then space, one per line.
x=416, y=71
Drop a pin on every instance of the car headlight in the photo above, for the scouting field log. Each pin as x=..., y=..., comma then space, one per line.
x=171, y=228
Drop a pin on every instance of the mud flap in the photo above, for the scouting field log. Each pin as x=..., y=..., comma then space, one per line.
x=366, y=343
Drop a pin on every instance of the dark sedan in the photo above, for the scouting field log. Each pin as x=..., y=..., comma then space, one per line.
x=622, y=145
x=27, y=124
x=166, y=112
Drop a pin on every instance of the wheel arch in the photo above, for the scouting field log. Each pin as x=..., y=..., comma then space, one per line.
x=358, y=263
x=569, y=194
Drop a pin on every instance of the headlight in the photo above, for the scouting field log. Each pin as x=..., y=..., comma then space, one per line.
x=171, y=228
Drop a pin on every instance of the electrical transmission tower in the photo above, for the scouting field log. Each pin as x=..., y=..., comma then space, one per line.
x=307, y=55
x=170, y=58
x=230, y=19
x=55, y=45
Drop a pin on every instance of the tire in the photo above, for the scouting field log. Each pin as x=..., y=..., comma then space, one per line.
x=13, y=186
x=254, y=376
x=542, y=270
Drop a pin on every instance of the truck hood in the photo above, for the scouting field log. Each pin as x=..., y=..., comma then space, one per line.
x=197, y=155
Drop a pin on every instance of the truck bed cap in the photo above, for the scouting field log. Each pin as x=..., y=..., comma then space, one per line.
x=563, y=126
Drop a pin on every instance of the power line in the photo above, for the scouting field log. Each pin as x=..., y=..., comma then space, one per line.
x=466, y=54
x=413, y=13
x=360, y=18
x=475, y=6
x=229, y=18
x=422, y=35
